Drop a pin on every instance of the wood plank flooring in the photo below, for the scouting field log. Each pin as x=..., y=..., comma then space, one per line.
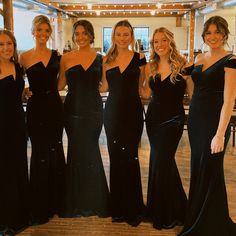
x=94, y=226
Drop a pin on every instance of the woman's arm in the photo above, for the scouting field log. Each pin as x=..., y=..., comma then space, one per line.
x=189, y=86
x=103, y=85
x=26, y=94
x=62, y=79
x=144, y=89
x=142, y=69
x=217, y=144
x=187, y=71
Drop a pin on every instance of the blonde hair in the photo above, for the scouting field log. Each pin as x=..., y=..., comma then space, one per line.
x=38, y=20
x=13, y=39
x=176, y=60
x=112, y=51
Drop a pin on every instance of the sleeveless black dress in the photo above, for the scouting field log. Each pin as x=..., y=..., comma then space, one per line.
x=207, y=212
x=14, y=201
x=123, y=120
x=166, y=200
x=45, y=127
x=87, y=191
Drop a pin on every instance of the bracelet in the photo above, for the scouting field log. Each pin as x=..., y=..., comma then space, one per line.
x=220, y=137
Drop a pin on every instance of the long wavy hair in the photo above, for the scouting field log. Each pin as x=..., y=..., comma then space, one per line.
x=14, y=58
x=176, y=60
x=112, y=51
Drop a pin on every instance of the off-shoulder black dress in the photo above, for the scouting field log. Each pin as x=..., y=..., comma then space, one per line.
x=123, y=120
x=207, y=211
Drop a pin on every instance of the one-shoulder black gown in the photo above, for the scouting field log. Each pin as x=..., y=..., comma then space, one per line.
x=14, y=200
x=166, y=200
x=123, y=120
x=45, y=128
x=207, y=212
x=87, y=191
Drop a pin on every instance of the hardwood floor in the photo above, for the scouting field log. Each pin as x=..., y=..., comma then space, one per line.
x=94, y=226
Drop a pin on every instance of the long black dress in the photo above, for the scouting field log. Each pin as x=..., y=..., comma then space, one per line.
x=123, y=120
x=87, y=191
x=166, y=200
x=45, y=127
x=14, y=206
x=207, y=212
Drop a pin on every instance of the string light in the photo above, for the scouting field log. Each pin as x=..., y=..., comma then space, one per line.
x=89, y=6
x=152, y=13
x=98, y=13
x=159, y=5
x=150, y=9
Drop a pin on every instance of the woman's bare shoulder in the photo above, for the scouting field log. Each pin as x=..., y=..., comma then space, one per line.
x=200, y=58
x=26, y=54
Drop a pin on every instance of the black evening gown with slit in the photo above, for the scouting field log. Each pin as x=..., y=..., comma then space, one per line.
x=123, y=120
x=207, y=211
x=14, y=185
x=45, y=127
x=166, y=200
x=87, y=191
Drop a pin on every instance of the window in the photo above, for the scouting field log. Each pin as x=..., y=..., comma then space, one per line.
x=141, y=34
x=22, y=28
x=1, y=17
x=106, y=38
x=1, y=22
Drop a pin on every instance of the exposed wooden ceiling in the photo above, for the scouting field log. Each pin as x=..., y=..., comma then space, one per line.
x=117, y=8
x=125, y=8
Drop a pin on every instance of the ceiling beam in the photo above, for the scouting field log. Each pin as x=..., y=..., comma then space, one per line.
x=136, y=7
x=128, y=14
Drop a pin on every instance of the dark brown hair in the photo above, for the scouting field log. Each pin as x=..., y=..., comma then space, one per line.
x=221, y=25
x=88, y=28
x=12, y=37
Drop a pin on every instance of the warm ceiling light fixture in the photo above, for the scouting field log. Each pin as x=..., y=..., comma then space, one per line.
x=89, y=6
x=98, y=13
x=158, y=5
x=152, y=13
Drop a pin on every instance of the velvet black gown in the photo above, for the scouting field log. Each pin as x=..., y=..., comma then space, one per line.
x=123, y=120
x=207, y=212
x=87, y=191
x=166, y=200
x=45, y=127
x=14, y=201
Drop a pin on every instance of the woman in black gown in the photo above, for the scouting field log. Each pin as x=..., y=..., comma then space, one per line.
x=45, y=125
x=14, y=209
x=211, y=107
x=87, y=191
x=123, y=120
x=166, y=200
